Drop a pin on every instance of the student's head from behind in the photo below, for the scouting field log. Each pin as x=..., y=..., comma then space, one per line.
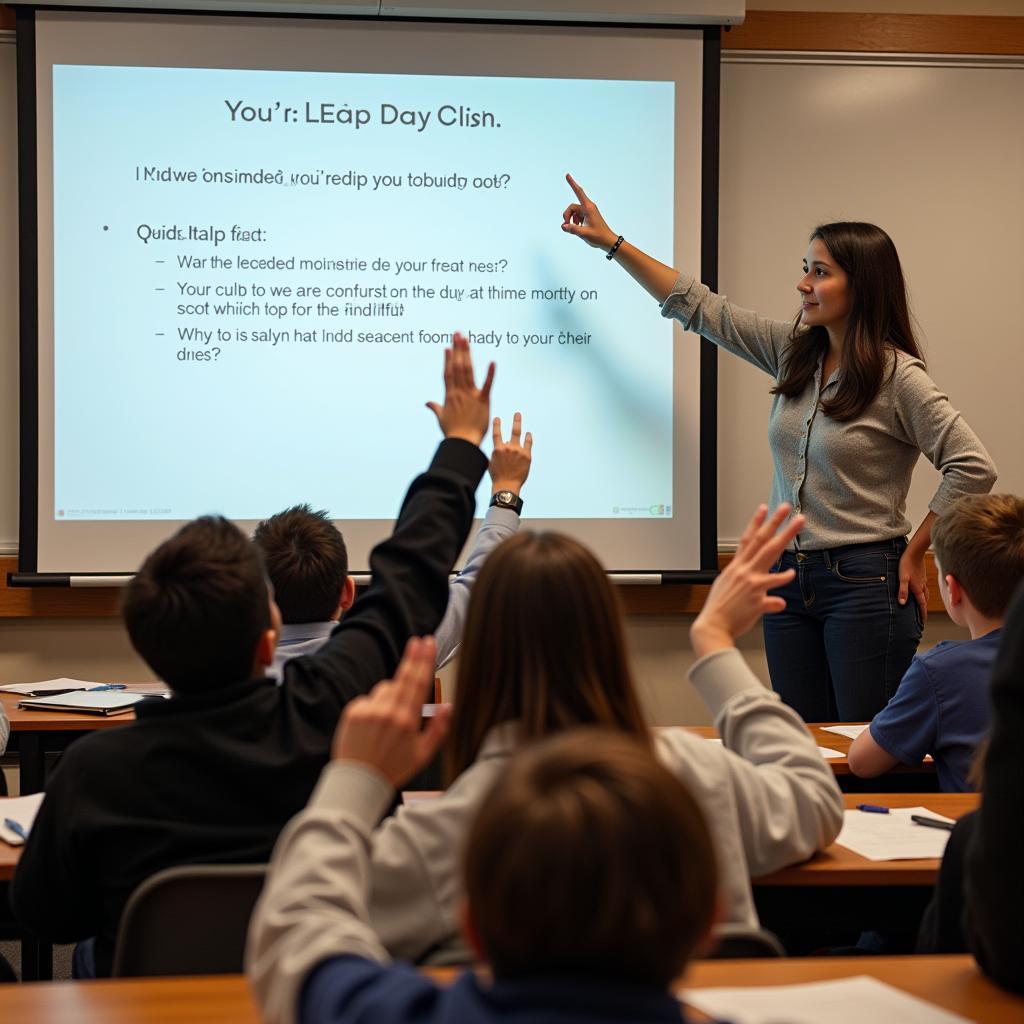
x=307, y=563
x=198, y=611
x=589, y=858
x=979, y=550
x=543, y=646
x=852, y=285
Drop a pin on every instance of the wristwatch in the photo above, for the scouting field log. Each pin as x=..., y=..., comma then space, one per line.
x=507, y=499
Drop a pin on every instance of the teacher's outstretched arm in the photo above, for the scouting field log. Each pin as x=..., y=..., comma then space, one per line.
x=584, y=220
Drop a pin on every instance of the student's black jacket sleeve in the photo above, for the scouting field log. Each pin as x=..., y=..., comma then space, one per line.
x=994, y=918
x=408, y=591
x=213, y=777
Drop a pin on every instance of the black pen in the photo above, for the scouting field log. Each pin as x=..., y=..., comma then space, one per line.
x=920, y=819
x=54, y=693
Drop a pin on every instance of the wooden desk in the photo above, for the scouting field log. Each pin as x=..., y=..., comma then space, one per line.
x=836, y=865
x=37, y=733
x=9, y=856
x=840, y=766
x=952, y=982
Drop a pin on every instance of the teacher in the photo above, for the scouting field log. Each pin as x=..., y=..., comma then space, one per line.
x=853, y=408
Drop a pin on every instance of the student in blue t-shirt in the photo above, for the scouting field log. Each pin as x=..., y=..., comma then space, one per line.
x=942, y=704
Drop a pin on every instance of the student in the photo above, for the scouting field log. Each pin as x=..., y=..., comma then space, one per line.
x=853, y=408
x=978, y=903
x=307, y=561
x=211, y=775
x=543, y=652
x=589, y=878
x=942, y=705
x=994, y=889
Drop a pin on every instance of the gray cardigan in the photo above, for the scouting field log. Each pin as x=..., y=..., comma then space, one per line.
x=769, y=798
x=849, y=479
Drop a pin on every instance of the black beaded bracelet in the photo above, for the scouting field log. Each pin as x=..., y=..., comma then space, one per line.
x=615, y=248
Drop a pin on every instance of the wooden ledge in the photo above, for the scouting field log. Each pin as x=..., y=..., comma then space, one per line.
x=104, y=602
x=877, y=33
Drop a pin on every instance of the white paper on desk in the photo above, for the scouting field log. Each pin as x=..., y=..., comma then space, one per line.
x=843, y=1001
x=828, y=753
x=87, y=699
x=23, y=810
x=849, y=731
x=47, y=684
x=893, y=836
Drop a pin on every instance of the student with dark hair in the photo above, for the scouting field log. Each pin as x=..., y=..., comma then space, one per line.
x=544, y=652
x=994, y=886
x=211, y=775
x=589, y=878
x=978, y=902
x=307, y=561
x=854, y=408
x=942, y=705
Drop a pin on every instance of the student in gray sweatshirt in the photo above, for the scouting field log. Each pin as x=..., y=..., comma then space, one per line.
x=543, y=652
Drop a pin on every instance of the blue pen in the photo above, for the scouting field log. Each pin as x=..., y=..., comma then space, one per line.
x=873, y=808
x=108, y=686
x=16, y=828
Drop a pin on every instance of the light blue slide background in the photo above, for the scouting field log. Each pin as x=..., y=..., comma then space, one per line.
x=140, y=434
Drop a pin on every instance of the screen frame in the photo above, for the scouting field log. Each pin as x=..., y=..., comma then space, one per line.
x=29, y=476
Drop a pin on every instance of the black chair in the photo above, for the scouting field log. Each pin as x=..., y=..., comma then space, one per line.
x=740, y=941
x=188, y=920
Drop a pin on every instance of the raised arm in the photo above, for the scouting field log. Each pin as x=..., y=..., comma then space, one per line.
x=313, y=908
x=408, y=591
x=786, y=798
x=509, y=467
x=583, y=219
x=755, y=338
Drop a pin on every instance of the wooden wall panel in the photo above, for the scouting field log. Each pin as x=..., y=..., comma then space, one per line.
x=876, y=33
x=104, y=602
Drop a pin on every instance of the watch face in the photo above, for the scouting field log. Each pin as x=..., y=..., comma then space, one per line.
x=505, y=497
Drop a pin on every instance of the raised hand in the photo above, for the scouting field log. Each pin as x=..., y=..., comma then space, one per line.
x=584, y=220
x=510, y=460
x=382, y=729
x=739, y=596
x=467, y=408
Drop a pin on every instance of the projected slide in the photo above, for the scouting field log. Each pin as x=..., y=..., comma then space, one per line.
x=255, y=272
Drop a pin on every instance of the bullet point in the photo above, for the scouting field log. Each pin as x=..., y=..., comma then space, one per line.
x=105, y=228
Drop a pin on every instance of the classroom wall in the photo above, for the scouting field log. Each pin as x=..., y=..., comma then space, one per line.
x=933, y=153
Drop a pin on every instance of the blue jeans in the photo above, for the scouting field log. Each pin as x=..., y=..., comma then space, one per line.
x=839, y=650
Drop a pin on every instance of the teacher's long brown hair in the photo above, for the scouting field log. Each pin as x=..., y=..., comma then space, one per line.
x=543, y=646
x=879, y=321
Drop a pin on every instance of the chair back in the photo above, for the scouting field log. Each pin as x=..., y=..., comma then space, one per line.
x=188, y=920
x=742, y=941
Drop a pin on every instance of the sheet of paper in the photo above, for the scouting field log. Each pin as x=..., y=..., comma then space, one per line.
x=826, y=752
x=892, y=836
x=849, y=731
x=148, y=689
x=47, y=684
x=843, y=1001
x=23, y=810
x=418, y=796
x=90, y=699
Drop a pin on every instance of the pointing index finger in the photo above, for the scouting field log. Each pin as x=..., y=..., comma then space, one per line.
x=580, y=194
